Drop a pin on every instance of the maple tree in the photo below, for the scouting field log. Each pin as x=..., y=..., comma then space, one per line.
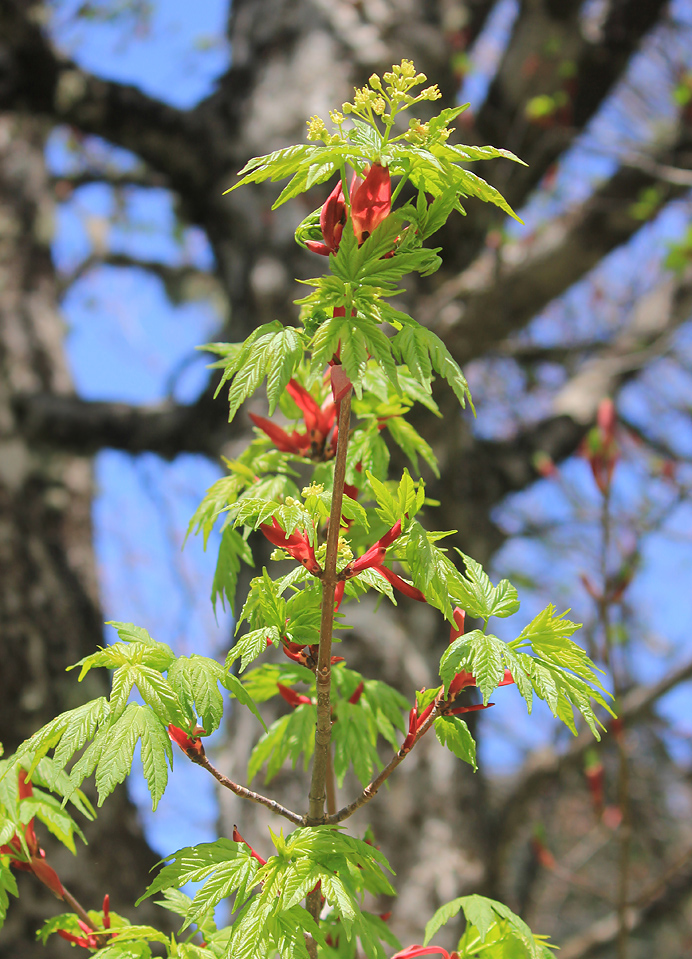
x=324, y=498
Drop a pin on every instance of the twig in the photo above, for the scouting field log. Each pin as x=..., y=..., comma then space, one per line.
x=661, y=884
x=246, y=793
x=323, y=731
x=372, y=788
x=79, y=909
x=677, y=176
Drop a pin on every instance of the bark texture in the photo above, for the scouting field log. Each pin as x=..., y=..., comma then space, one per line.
x=49, y=605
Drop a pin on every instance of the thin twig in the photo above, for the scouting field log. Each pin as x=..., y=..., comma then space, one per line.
x=372, y=788
x=79, y=909
x=246, y=793
x=661, y=884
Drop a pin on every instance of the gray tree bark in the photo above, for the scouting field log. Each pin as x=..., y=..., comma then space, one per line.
x=49, y=602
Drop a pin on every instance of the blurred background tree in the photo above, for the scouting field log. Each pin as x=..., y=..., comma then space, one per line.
x=124, y=122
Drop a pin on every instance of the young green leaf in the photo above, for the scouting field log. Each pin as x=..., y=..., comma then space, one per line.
x=453, y=733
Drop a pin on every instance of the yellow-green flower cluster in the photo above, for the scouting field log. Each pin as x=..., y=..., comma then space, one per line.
x=317, y=130
x=389, y=99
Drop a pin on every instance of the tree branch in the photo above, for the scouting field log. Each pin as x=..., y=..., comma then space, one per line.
x=246, y=793
x=323, y=673
x=181, y=282
x=655, y=905
x=86, y=427
x=36, y=79
x=547, y=766
x=494, y=303
x=527, y=71
x=137, y=177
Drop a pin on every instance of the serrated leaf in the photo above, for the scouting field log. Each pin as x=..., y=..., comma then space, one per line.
x=284, y=353
x=485, y=599
x=411, y=442
x=195, y=680
x=116, y=752
x=453, y=733
x=232, y=549
x=236, y=689
x=250, y=646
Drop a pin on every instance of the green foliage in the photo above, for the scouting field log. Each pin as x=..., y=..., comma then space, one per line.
x=8, y=885
x=453, y=733
x=392, y=362
x=287, y=738
x=271, y=350
x=492, y=929
x=559, y=671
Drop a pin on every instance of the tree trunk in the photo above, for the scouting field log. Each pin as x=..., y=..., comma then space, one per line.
x=49, y=605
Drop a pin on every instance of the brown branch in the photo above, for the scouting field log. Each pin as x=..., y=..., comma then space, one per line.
x=136, y=177
x=374, y=786
x=246, y=793
x=78, y=909
x=85, y=427
x=493, y=304
x=323, y=674
x=661, y=171
x=527, y=71
x=654, y=905
x=182, y=282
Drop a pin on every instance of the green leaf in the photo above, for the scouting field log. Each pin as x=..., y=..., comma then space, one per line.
x=284, y=353
x=480, y=598
x=68, y=732
x=411, y=442
x=195, y=680
x=232, y=549
x=115, y=752
x=453, y=733
x=412, y=343
x=250, y=646
x=490, y=920
x=355, y=739
x=236, y=689
x=50, y=812
x=8, y=884
x=478, y=653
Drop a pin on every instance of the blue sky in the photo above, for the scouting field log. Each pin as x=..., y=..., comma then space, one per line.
x=127, y=342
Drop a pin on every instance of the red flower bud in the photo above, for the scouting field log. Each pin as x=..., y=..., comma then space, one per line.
x=238, y=838
x=297, y=544
x=371, y=202
x=292, y=697
x=190, y=745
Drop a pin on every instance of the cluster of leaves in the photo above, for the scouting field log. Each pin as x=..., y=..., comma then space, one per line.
x=110, y=729
x=273, y=920
x=492, y=929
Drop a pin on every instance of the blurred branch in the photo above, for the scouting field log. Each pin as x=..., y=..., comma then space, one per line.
x=661, y=171
x=664, y=897
x=137, y=177
x=547, y=765
x=181, y=282
x=84, y=427
x=37, y=79
x=529, y=72
x=495, y=300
